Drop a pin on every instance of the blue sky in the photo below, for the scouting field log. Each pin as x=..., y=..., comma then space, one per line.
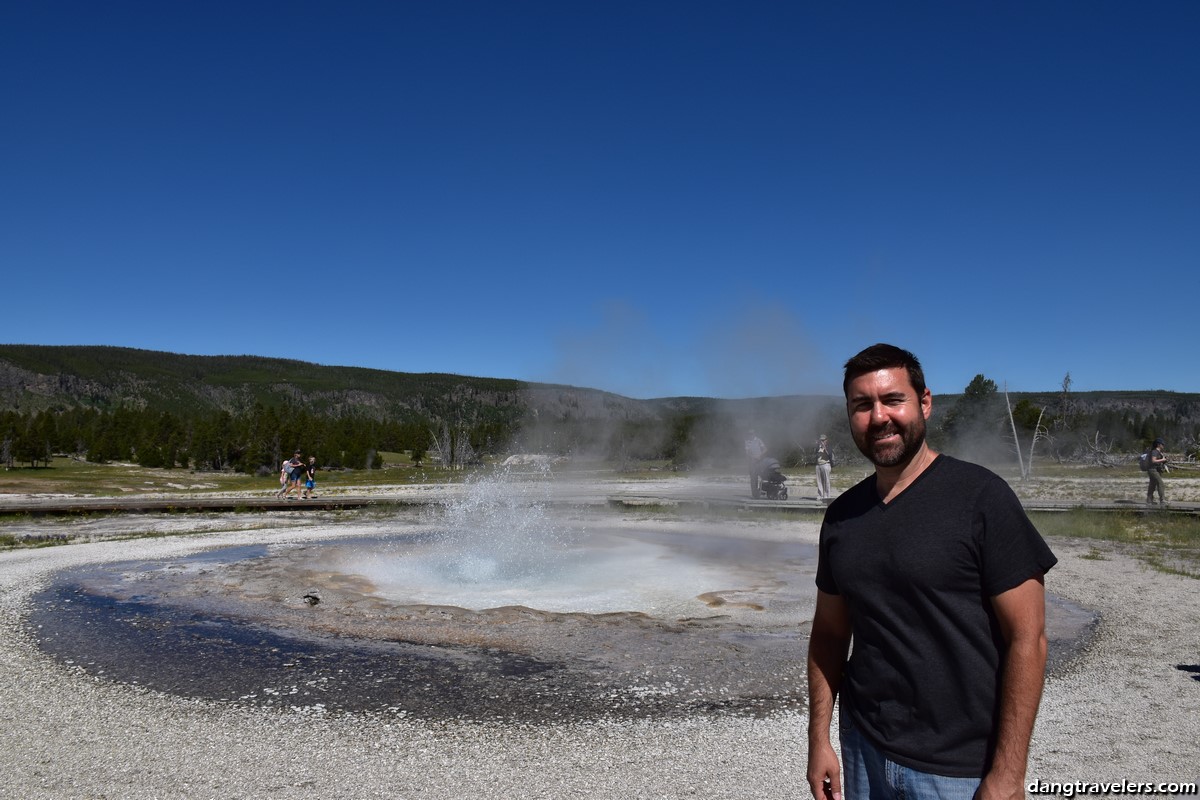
x=672, y=198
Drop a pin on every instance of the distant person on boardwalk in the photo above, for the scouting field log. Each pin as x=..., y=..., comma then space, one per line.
x=755, y=450
x=310, y=478
x=929, y=627
x=295, y=473
x=284, y=470
x=1157, y=466
x=824, y=468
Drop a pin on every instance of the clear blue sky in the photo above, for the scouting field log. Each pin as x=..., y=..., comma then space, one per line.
x=653, y=198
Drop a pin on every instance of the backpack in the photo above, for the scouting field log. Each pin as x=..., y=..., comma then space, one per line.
x=1144, y=462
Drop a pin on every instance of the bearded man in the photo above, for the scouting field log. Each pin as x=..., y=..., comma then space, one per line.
x=931, y=567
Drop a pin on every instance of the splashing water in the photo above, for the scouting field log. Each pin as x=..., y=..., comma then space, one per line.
x=501, y=530
x=502, y=544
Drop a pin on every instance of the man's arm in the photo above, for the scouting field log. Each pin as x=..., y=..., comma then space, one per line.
x=1021, y=612
x=828, y=643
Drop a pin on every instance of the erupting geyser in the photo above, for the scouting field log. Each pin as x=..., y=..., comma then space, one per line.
x=497, y=605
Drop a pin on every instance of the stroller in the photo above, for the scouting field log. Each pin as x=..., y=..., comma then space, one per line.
x=771, y=482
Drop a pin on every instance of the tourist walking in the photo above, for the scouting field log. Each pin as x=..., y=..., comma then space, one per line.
x=824, y=468
x=755, y=450
x=295, y=474
x=310, y=478
x=1156, y=465
x=932, y=569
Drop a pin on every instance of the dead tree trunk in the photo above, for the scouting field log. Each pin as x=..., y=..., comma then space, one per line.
x=1038, y=433
x=1016, y=440
x=452, y=446
x=442, y=446
x=1096, y=450
x=464, y=453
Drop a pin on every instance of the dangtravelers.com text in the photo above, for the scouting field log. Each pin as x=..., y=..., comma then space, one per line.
x=1075, y=788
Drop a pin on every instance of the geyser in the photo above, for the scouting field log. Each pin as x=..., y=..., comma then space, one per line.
x=493, y=606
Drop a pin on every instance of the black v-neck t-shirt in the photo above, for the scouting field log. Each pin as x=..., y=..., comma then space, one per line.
x=918, y=574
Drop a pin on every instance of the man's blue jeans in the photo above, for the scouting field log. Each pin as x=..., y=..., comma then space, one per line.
x=868, y=774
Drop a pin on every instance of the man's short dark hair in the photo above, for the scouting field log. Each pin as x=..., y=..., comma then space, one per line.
x=885, y=356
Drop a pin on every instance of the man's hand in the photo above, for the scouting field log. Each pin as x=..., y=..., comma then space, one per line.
x=1021, y=612
x=995, y=788
x=824, y=772
x=828, y=644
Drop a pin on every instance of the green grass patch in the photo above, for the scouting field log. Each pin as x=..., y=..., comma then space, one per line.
x=1082, y=524
x=83, y=478
x=1169, y=543
x=67, y=476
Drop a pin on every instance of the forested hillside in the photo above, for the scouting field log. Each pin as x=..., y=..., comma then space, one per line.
x=246, y=413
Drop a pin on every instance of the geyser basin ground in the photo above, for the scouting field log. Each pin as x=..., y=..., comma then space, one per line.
x=579, y=619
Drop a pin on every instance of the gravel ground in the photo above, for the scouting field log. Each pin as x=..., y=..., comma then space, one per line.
x=1128, y=707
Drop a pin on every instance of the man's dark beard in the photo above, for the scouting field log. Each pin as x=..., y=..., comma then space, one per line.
x=911, y=437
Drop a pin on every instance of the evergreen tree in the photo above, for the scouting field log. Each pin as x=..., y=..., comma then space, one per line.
x=975, y=425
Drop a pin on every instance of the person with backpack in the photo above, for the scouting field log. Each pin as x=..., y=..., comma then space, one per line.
x=1156, y=465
